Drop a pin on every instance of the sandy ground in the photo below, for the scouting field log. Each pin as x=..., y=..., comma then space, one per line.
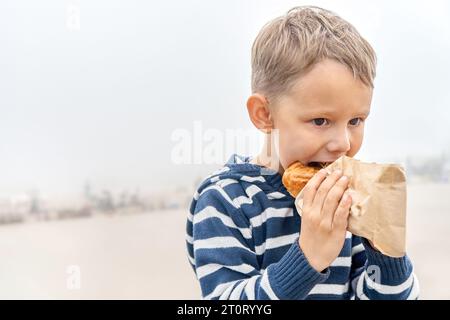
x=142, y=256
x=428, y=238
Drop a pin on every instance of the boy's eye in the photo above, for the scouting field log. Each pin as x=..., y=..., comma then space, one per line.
x=319, y=121
x=355, y=121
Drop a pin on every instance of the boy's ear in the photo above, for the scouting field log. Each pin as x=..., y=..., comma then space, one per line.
x=259, y=112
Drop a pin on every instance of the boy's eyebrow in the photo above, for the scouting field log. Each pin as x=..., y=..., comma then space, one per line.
x=364, y=113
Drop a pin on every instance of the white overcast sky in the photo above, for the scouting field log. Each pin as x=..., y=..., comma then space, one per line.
x=100, y=103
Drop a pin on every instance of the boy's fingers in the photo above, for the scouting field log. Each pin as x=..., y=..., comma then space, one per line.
x=340, y=220
x=312, y=186
x=333, y=199
x=323, y=190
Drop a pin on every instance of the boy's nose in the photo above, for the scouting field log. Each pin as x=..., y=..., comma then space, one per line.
x=339, y=142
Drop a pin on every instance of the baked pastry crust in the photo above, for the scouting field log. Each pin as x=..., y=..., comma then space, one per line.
x=297, y=175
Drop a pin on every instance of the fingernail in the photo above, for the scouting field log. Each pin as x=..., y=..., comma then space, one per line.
x=347, y=198
x=339, y=172
x=343, y=178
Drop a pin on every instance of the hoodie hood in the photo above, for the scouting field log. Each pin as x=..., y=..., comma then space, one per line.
x=239, y=168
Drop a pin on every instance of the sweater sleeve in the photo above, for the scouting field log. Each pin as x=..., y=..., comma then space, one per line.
x=376, y=276
x=222, y=254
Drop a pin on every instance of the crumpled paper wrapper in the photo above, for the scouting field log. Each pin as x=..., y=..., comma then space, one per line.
x=378, y=210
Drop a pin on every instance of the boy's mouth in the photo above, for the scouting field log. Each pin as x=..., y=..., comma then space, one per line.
x=318, y=164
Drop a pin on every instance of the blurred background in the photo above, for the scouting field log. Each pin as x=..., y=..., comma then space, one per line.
x=111, y=112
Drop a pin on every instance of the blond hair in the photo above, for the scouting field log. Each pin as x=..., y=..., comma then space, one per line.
x=290, y=45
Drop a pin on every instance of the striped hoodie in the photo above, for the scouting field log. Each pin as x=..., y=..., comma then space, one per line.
x=242, y=240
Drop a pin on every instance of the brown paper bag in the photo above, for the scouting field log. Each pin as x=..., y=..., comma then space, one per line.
x=378, y=210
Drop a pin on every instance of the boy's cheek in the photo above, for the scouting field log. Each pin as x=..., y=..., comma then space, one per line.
x=292, y=147
x=291, y=154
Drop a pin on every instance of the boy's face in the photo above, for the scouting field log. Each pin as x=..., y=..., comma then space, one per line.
x=322, y=118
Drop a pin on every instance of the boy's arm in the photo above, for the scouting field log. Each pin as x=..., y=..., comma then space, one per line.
x=377, y=276
x=222, y=253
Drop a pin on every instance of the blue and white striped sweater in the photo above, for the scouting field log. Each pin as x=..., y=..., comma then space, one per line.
x=242, y=242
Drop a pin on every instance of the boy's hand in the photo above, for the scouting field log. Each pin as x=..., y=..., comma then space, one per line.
x=324, y=218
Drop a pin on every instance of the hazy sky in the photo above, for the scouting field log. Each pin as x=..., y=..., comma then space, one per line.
x=100, y=103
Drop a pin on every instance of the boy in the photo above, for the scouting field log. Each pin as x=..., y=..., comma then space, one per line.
x=312, y=82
